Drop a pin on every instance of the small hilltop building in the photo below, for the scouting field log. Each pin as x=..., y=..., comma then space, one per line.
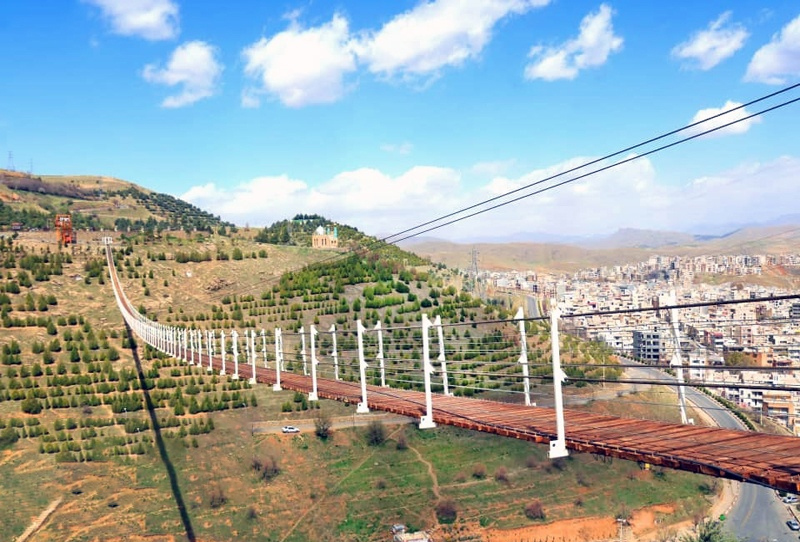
x=325, y=237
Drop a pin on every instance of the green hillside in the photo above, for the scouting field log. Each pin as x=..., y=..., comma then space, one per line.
x=74, y=424
x=95, y=203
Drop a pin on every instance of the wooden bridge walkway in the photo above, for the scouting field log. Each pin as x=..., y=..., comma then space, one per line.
x=770, y=460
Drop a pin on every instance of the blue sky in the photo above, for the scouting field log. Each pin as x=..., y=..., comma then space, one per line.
x=386, y=114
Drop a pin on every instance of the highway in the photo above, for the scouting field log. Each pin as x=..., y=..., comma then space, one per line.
x=758, y=515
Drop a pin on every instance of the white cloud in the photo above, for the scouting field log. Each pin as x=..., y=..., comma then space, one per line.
x=148, y=19
x=250, y=99
x=366, y=197
x=595, y=42
x=435, y=34
x=259, y=201
x=753, y=191
x=630, y=195
x=492, y=168
x=192, y=65
x=738, y=128
x=303, y=66
x=398, y=148
x=707, y=48
x=778, y=61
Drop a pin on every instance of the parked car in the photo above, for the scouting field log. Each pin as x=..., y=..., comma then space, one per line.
x=790, y=499
x=793, y=525
x=290, y=429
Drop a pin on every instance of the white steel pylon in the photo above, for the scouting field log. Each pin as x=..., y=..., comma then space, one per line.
x=235, y=344
x=426, y=421
x=379, y=356
x=334, y=353
x=441, y=359
x=303, y=350
x=222, y=351
x=252, y=356
x=313, y=396
x=278, y=359
x=677, y=361
x=523, y=357
x=558, y=447
x=363, y=407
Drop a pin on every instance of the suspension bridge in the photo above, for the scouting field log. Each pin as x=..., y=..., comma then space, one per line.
x=770, y=460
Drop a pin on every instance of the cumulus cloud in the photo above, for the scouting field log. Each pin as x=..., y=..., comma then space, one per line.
x=493, y=168
x=436, y=34
x=366, y=197
x=194, y=67
x=778, y=61
x=148, y=19
x=630, y=195
x=738, y=128
x=755, y=191
x=707, y=48
x=633, y=195
x=398, y=148
x=595, y=42
x=303, y=66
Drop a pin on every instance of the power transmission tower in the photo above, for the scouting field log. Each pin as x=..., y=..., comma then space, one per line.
x=473, y=271
x=10, y=166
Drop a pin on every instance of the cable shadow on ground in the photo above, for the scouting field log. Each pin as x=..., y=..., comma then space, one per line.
x=162, y=450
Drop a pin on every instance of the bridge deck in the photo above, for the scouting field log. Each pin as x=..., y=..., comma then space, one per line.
x=771, y=460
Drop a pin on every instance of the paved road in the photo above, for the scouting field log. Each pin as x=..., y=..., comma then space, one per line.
x=339, y=422
x=533, y=308
x=758, y=514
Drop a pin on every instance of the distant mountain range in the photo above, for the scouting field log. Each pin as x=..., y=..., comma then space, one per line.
x=627, y=237
x=626, y=245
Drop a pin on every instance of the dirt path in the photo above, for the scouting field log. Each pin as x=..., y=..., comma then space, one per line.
x=431, y=472
x=40, y=520
x=435, y=483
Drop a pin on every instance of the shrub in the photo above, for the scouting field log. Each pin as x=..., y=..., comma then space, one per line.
x=217, y=498
x=31, y=406
x=501, y=474
x=376, y=433
x=446, y=511
x=322, y=424
x=8, y=436
x=531, y=462
x=251, y=513
x=402, y=442
x=479, y=471
x=534, y=510
x=269, y=468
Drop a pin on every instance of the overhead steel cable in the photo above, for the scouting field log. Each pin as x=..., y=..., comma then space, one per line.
x=391, y=238
x=596, y=171
x=592, y=162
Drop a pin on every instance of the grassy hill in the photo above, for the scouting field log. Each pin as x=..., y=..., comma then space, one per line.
x=95, y=203
x=73, y=425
